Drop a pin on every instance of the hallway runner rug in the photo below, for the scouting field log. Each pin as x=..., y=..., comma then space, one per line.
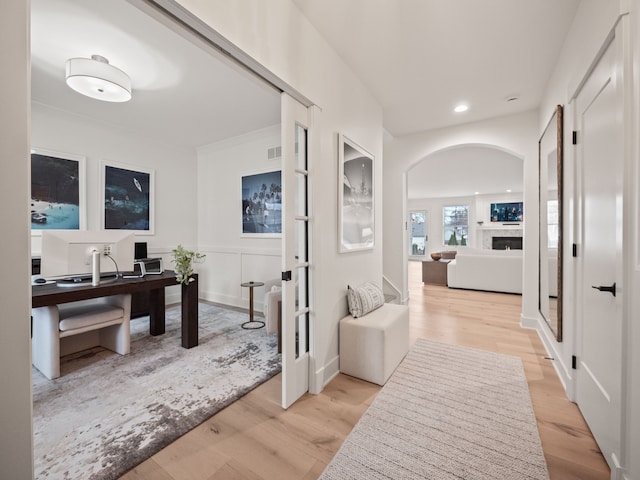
x=107, y=413
x=447, y=412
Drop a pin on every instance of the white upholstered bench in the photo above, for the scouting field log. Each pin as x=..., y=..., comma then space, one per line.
x=72, y=327
x=372, y=346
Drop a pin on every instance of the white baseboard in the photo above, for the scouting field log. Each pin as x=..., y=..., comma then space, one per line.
x=562, y=370
x=528, y=322
x=617, y=472
x=229, y=300
x=322, y=376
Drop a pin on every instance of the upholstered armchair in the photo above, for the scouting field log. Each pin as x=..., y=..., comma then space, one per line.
x=272, y=296
x=72, y=327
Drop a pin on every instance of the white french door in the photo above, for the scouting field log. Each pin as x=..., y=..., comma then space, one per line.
x=295, y=251
x=418, y=234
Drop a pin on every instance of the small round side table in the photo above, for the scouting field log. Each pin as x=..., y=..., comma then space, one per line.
x=252, y=324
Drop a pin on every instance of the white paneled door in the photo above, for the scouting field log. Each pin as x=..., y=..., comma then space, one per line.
x=599, y=343
x=295, y=251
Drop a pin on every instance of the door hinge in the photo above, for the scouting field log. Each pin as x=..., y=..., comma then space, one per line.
x=574, y=139
x=574, y=249
x=574, y=362
x=286, y=276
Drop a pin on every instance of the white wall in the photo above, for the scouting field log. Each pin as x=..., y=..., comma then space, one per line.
x=16, y=456
x=280, y=38
x=593, y=23
x=175, y=175
x=231, y=257
x=591, y=26
x=516, y=134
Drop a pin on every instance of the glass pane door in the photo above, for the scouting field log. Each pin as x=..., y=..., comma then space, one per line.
x=295, y=252
x=417, y=233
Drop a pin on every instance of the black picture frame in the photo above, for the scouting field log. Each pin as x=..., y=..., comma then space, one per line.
x=261, y=198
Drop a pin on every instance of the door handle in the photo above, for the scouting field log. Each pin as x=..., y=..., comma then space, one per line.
x=611, y=289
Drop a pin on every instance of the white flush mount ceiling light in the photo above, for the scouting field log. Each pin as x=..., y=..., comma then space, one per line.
x=461, y=107
x=96, y=78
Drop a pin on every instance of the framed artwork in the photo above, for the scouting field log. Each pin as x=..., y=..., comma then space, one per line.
x=58, y=195
x=127, y=198
x=355, y=196
x=262, y=204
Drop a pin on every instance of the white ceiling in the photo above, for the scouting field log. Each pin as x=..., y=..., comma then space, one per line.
x=182, y=93
x=418, y=57
x=463, y=171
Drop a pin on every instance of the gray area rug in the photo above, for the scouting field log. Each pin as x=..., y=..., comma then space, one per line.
x=447, y=412
x=108, y=413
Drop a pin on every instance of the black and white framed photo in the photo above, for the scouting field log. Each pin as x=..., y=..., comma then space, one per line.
x=262, y=204
x=58, y=191
x=355, y=196
x=127, y=198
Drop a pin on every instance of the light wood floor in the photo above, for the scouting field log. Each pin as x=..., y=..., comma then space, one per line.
x=255, y=439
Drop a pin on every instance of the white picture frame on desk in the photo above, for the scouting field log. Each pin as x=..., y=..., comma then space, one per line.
x=127, y=197
x=58, y=191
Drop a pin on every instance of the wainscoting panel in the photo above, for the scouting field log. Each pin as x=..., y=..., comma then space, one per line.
x=225, y=268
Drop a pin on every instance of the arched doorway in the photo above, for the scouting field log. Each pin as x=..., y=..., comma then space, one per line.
x=473, y=175
x=469, y=179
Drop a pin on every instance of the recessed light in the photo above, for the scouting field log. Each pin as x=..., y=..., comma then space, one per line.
x=461, y=107
x=509, y=191
x=476, y=193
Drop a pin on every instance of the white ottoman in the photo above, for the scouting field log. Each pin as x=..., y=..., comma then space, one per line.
x=372, y=346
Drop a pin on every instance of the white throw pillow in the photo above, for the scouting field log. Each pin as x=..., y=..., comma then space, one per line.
x=364, y=299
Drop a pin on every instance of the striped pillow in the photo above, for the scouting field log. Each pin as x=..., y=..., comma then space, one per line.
x=364, y=299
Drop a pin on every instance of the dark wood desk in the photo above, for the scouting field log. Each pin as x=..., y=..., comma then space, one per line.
x=51, y=294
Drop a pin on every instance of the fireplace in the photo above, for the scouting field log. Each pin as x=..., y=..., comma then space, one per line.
x=506, y=243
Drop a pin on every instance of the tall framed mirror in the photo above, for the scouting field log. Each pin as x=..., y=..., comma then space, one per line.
x=550, y=158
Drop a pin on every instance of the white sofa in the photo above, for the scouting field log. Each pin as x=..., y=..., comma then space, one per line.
x=493, y=271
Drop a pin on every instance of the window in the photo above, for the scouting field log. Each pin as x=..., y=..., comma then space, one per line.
x=455, y=225
x=553, y=231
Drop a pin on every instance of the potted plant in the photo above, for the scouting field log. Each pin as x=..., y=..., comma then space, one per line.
x=183, y=260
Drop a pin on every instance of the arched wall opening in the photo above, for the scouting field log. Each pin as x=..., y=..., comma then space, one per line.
x=515, y=135
x=472, y=176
